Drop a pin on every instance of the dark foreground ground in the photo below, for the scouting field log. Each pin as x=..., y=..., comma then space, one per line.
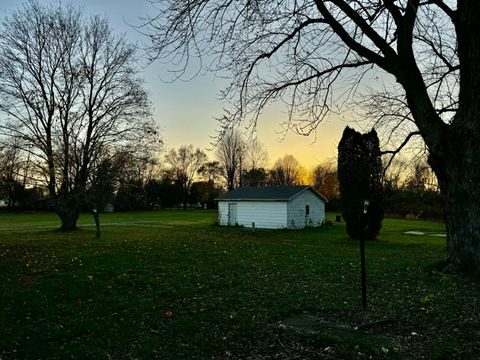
x=172, y=285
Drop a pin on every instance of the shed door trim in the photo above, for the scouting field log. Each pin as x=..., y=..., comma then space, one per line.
x=232, y=214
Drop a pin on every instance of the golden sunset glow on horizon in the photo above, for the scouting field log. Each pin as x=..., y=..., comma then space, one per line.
x=195, y=124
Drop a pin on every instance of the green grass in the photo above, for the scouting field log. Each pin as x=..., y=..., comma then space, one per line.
x=172, y=285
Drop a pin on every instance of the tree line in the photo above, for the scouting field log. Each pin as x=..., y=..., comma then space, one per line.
x=187, y=177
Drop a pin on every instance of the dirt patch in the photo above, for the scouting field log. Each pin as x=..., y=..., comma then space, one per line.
x=306, y=336
x=312, y=324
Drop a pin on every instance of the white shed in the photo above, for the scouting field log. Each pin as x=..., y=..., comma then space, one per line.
x=278, y=207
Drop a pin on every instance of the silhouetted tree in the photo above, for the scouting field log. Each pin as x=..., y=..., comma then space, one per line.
x=211, y=171
x=421, y=178
x=69, y=89
x=170, y=191
x=360, y=178
x=255, y=177
x=15, y=175
x=325, y=180
x=230, y=153
x=208, y=190
x=205, y=193
x=104, y=183
x=131, y=196
x=184, y=166
x=286, y=171
x=256, y=157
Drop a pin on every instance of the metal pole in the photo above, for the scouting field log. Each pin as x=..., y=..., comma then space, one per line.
x=363, y=272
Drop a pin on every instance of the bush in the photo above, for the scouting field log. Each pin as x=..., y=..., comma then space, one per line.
x=360, y=179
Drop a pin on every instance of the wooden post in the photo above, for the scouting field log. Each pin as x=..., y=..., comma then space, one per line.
x=97, y=223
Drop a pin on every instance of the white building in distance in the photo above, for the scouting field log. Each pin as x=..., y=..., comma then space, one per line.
x=278, y=207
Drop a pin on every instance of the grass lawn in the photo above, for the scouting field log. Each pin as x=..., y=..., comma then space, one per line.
x=172, y=285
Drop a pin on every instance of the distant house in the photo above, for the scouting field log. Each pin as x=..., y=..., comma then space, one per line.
x=108, y=208
x=277, y=207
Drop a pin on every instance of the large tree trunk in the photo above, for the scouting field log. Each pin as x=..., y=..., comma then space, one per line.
x=462, y=212
x=68, y=210
x=460, y=177
x=454, y=147
x=69, y=219
x=458, y=173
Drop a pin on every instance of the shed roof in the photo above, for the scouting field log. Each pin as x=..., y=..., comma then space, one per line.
x=268, y=193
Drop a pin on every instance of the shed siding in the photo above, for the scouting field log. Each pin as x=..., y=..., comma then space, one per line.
x=297, y=217
x=265, y=214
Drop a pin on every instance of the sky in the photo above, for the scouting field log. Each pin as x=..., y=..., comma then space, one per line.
x=185, y=111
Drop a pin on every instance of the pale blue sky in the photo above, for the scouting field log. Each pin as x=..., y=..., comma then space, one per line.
x=186, y=110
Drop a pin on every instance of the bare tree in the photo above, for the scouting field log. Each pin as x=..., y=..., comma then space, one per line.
x=286, y=171
x=184, y=165
x=316, y=48
x=70, y=92
x=210, y=171
x=394, y=176
x=256, y=155
x=256, y=160
x=13, y=175
x=325, y=180
x=230, y=153
x=421, y=178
